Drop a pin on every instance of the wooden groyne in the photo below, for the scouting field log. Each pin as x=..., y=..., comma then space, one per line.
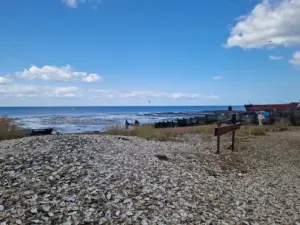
x=243, y=117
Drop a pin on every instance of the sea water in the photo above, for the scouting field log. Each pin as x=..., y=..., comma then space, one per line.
x=97, y=118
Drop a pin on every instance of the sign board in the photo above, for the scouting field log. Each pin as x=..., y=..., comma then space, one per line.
x=226, y=129
x=220, y=130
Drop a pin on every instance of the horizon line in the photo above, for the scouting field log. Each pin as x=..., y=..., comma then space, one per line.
x=120, y=106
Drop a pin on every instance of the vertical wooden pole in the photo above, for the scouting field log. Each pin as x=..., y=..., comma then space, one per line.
x=218, y=140
x=233, y=137
x=233, y=131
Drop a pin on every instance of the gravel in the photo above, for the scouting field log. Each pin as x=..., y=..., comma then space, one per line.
x=96, y=179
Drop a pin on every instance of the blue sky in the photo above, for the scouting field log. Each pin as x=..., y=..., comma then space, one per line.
x=126, y=52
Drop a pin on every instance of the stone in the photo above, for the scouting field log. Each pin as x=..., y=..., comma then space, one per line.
x=117, y=213
x=108, y=196
x=129, y=213
x=33, y=210
x=126, y=201
x=1, y=208
x=144, y=222
x=46, y=208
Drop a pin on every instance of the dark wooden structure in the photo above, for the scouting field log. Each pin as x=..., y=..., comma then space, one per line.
x=220, y=130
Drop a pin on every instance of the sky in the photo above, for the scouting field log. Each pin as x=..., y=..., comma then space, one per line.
x=127, y=52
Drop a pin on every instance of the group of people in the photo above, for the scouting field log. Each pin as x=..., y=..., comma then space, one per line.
x=127, y=124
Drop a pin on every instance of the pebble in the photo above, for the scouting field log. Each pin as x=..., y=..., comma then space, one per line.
x=144, y=222
x=34, y=210
x=129, y=213
x=46, y=208
x=1, y=208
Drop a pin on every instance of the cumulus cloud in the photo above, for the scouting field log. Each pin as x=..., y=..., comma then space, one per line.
x=92, y=78
x=273, y=57
x=54, y=73
x=17, y=90
x=271, y=23
x=4, y=80
x=148, y=94
x=296, y=59
x=218, y=78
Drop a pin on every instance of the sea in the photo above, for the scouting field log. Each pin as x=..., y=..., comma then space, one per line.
x=79, y=119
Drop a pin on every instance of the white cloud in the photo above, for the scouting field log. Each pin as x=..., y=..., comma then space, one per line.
x=65, y=91
x=218, y=78
x=74, y=3
x=271, y=23
x=92, y=78
x=4, y=80
x=70, y=3
x=17, y=90
x=148, y=94
x=273, y=57
x=54, y=73
x=296, y=59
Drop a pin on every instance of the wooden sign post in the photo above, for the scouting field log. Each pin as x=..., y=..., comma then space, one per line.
x=220, y=130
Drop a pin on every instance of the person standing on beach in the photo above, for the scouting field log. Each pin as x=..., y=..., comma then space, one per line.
x=260, y=118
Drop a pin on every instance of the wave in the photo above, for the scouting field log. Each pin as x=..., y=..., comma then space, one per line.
x=82, y=123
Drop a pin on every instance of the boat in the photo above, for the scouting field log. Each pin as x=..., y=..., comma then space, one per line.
x=273, y=107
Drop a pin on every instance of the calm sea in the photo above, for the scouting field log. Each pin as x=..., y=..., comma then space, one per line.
x=82, y=119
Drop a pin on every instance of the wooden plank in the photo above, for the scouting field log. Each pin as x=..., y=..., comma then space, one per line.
x=226, y=129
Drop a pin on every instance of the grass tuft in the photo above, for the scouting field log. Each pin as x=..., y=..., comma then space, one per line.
x=257, y=130
x=281, y=126
x=146, y=132
x=160, y=134
x=9, y=129
x=164, y=134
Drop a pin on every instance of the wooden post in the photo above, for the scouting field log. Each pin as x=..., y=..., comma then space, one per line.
x=218, y=140
x=233, y=131
x=233, y=136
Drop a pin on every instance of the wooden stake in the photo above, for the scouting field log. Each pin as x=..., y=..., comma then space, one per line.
x=218, y=140
x=233, y=137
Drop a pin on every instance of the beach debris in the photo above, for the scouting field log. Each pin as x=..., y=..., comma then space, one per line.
x=123, y=138
x=162, y=157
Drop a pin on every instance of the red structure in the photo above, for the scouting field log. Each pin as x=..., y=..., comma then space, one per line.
x=272, y=107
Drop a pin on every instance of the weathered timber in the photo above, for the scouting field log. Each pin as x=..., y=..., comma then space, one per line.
x=226, y=129
x=220, y=130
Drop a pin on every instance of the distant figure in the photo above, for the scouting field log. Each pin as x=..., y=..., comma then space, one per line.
x=260, y=118
x=136, y=123
x=126, y=124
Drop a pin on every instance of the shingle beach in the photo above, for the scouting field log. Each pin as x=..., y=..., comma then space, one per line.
x=98, y=179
